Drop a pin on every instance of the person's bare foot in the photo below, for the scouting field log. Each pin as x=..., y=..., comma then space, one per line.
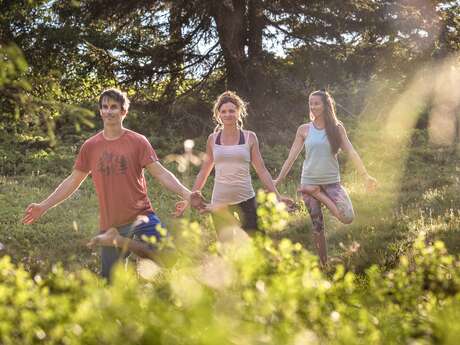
x=108, y=238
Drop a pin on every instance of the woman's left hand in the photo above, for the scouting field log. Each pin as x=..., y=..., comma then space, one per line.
x=197, y=200
x=290, y=204
x=371, y=183
x=211, y=208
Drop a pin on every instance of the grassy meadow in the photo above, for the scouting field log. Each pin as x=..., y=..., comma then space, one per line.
x=418, y=192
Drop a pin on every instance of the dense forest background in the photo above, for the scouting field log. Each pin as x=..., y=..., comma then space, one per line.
x=174, y=57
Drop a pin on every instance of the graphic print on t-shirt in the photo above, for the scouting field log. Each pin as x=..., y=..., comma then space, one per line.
x=112, y=164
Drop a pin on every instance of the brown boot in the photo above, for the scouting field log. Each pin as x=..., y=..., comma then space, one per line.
x=320, y=244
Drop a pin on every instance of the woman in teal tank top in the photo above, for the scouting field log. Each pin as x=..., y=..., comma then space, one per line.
x=320, y=184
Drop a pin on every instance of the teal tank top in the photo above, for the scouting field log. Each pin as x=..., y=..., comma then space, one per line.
x=320, y=165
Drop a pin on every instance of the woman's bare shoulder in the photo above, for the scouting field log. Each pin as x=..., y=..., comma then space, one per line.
x=303, y=130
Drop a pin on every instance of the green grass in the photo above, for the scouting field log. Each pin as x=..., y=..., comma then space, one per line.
x=59, y=236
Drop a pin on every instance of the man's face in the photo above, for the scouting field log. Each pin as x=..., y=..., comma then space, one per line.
x=111, y=112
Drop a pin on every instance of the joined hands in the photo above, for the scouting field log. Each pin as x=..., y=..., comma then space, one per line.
x=197, y=202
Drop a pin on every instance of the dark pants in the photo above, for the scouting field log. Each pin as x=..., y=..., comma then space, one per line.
x=247, y=213
x=110, y=255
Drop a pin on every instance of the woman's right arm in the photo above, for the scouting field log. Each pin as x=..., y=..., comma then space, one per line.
x=206, y=166
x=296, y=148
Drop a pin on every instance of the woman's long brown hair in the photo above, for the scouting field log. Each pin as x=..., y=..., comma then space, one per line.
x=330, y=119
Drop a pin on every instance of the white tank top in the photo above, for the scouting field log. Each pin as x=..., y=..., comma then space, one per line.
x=232, y=182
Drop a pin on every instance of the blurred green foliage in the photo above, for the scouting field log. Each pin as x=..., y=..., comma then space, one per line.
x=257, y=291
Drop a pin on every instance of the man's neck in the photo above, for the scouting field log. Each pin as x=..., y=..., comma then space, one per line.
x=112, y=132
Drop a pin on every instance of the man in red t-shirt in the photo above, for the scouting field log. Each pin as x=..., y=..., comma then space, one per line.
x=116, y=158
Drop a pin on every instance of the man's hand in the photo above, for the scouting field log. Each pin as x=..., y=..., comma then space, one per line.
x=32, y=213
x=181, y=206
x=197, y=202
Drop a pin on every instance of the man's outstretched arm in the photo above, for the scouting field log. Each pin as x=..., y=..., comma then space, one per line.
x=168, y=180
x=62, y=192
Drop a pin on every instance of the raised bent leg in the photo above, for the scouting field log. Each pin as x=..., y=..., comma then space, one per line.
x=317, y=193
x=319, y=239
x=340, y=198
x=118, y=243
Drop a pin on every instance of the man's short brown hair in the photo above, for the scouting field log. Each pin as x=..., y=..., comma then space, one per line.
x=116, y=95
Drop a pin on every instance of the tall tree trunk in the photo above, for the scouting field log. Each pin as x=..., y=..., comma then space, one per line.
x=231, y=23
x=256, y=24
x=176, y=41
x=240, y=25
x=255, y=68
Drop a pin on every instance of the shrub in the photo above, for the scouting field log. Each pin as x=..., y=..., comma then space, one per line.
x=255, y=291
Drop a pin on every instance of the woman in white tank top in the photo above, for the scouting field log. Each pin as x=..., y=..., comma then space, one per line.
x=322, y=138
x=231, y=150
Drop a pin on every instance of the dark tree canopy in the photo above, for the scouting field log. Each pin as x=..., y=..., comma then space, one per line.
x=163, y=52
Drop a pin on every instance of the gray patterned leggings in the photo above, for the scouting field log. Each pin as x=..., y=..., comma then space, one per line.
x=338, y=196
